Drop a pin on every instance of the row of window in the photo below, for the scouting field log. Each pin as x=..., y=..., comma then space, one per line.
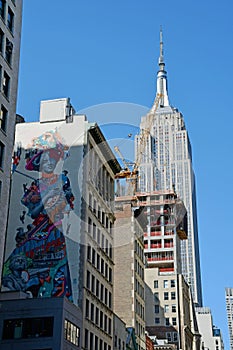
x=100, y=177
x=92, y=342
x=97, y=316
x=99, y=263
x=166, y=283
x=25, y=328
x=100, y=214
x=98, y=289
x=172, y=336
x=139, y=288
x=99, y=237
x=139, y=250
x=8, y=17
x=140, y=309
x=167, y=321
x=139, y=268
x=166, y=308
x=119, y=343
x=140, y=330
x=71, y=333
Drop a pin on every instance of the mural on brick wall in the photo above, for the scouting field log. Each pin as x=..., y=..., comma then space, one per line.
x=38, y=262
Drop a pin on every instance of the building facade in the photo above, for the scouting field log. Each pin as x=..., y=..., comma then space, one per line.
x=60, y=232
x=129, y=288
x=42, y=323
x=165, y=159
x=211, y=336
x=10, y=34
x=169, y=316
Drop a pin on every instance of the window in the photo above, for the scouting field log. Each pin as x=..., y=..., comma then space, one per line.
x=1, y=154
x=102, y=266
x=93, y=256
x=1, y=40
x=98, y=261
x=106, y=270
x=110, y=300
x=174, y=321
x=110, y=250
x=156, y=284
x=88, y=280
x=109, y=326
x=105, y=323
x=175, y=336
x=110, y=274
x=98, y=236
x=173, y=283
x=93, y=284
x=89, y=252
x=97, y=316
x=6, y=84
x=157, y=320
x=8, y=51
x=87, y=308
x=165, y=296
x=97, y=291
x=169, y=336
x=86, y=342
x=102, y=292
x=91, y=340
x=174, y=308
x=28, y=328
x=92, y=312
x=165, y=284
x=94, y=231
x=2, y=8
x=106, y=296
x=101, y=319
x=72, y=332
x=96, y=343
x=156, y=309
x=156, y=297
x=10, y=19
x=166, y=308
x=167, y=321
x=3, y=118
x=173, y=295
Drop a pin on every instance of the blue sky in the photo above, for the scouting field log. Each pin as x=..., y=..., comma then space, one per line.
x=98, y=52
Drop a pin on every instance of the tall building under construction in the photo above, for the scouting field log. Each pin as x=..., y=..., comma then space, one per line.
x=163, y=152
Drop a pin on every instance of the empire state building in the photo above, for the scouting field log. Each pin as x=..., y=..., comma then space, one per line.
x=166, y=163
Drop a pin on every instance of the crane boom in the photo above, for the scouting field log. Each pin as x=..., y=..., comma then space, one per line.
x=133, y=174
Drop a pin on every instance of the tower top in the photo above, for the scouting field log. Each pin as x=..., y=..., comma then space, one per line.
x=161, y=80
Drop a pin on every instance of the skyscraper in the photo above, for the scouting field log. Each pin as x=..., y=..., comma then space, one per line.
x=10, y=33
x=165, y=159
x=229, y=306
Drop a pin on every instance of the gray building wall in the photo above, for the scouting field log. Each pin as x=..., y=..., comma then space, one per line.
x=9, y=64
x=16, y=306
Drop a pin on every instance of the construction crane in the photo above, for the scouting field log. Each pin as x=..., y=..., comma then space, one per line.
x=132, y=175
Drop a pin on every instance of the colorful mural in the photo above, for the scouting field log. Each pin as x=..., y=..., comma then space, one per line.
x=38, y=264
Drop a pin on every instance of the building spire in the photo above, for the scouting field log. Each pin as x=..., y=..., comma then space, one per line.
x=161, y=61
x=161, y=78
